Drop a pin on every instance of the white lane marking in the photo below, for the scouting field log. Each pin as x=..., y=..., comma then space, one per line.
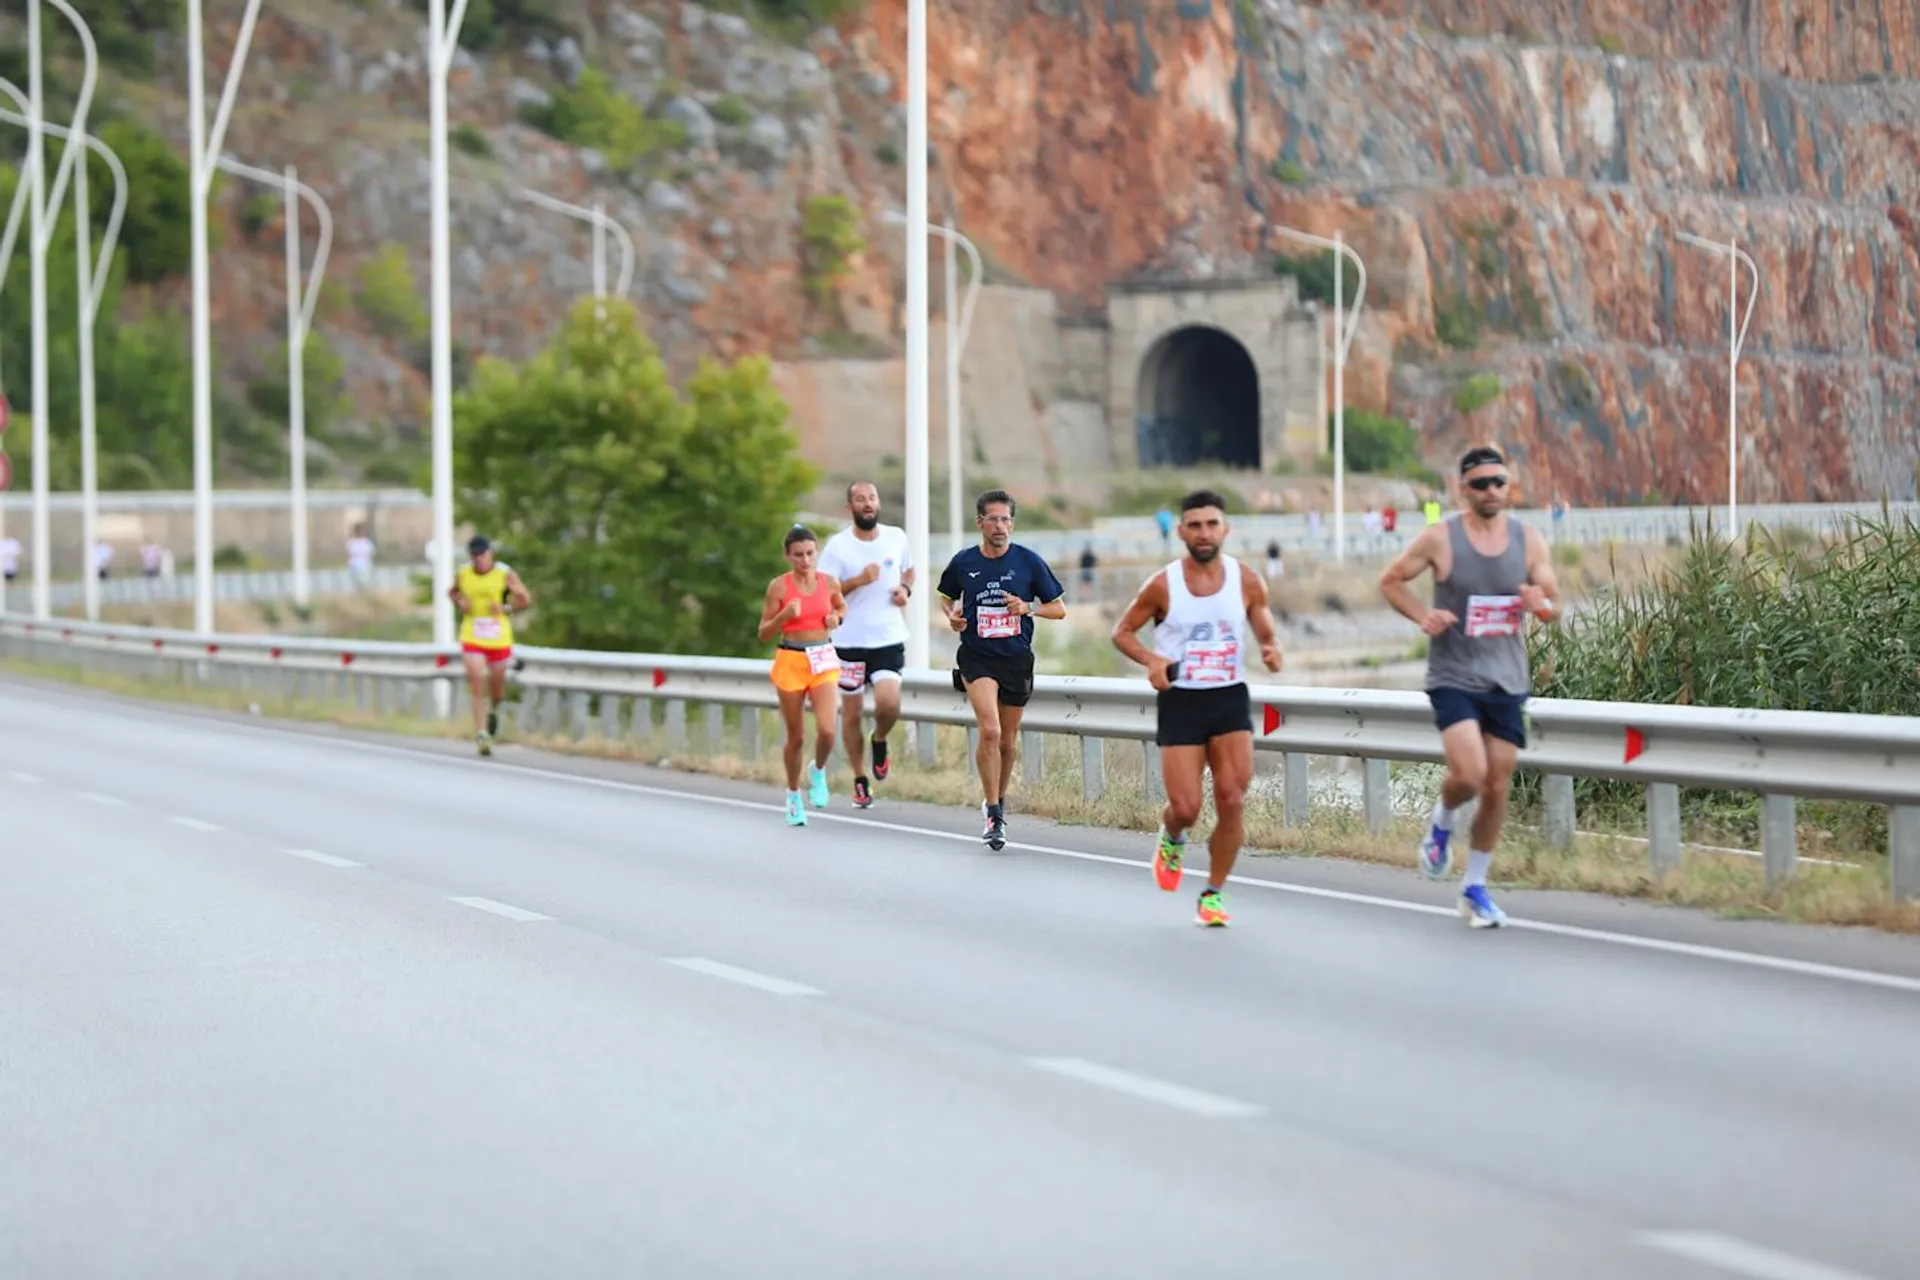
x=19, y=775
x=508, y=910
x=324, y=859
x=1740, y=1258
x=746, y=977
x=1724, y=955
x=192, y=824
x=98, y=798
x=1210, y=1105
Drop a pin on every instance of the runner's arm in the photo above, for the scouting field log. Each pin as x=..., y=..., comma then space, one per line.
x=517, y=593
x=1253, y=589
x=1050, y=598
x=773, y=612
x=836, y=603
x=1408, y=565
x=1149, y=605
x=1541, y=595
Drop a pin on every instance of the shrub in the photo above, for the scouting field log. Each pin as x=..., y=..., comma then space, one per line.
x=1377, y=443
x=594, y=114
x=830, y=228
x=389, y=297
x=1290, y=172
x=1477, y=392
x=730, y=110
x=1456, y=320
x=1313, y=276
x=471, y=140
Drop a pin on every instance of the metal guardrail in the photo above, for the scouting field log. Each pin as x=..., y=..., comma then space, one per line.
x=1779, y=755
x=236, y=585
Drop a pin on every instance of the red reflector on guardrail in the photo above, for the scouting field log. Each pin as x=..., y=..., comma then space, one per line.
x=441, y=660
x=273, y=653
x=1271, y=719
x=659, y=677
x=213, y=648
x=1636, y=745
x=156, y=646
x=346, y=659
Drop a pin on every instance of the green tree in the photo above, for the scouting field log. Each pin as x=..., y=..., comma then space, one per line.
x=595, y=114
x=643, y=519
x=1477, y=392
x=830, y=226
x=389, y=296
x=1376, y=442
x=154, y=239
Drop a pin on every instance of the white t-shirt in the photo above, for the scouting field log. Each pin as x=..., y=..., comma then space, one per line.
x=359, y=554
x=873, y=621
x=9, y=555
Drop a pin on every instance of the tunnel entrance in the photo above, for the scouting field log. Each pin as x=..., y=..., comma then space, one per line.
x=1198, y=400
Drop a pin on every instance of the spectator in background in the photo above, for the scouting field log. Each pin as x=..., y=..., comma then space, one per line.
x=1089, y=568
x=1313, y=524
x=1273, y=559
x=1431, y=508
x=360, y=551
x=9, y=557
x=103, y=558
x=1371, y=522
x=150, y=554
x=1164, y=518
x=1390, y=518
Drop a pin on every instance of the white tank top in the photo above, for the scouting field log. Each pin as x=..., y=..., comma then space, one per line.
x=1206, y=635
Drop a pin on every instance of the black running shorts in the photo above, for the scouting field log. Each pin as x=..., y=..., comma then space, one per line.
x=1194, y=717
x=1013, y=674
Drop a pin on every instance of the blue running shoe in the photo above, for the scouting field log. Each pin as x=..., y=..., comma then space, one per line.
x=796, y=812
x=817, y=786
x=1478, y=908
x=1435, y=858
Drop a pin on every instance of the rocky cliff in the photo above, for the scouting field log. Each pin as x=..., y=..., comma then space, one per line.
x=1513, y=171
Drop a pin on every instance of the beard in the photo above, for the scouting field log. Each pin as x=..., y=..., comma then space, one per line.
x=1205, y=555
x=866, y=524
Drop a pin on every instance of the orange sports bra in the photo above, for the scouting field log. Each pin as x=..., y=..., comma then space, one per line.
x=813, y=608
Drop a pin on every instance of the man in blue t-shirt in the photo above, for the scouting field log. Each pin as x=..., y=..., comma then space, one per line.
x=991, y=594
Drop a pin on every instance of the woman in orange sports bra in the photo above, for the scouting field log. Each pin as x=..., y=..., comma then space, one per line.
x=802, y=608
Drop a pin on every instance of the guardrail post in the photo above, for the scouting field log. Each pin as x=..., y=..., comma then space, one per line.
x=550, y=712
x=1156, y=781
x=1557, y=817
x=1375, y=794
x=527, y=713
x=749, y=733
x=716, y=728
x=676, y=725
x=973, y=748
x=362, y=691
x=1033, y=756
x=610, y=717
x=1294, y=783
x=1093, y=768
x=1663, y=827
x=1903, y=849
x=579, y=714
x=1778, y=837
x=926, y=741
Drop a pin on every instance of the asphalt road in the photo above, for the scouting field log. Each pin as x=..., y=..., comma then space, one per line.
x=277, y=1002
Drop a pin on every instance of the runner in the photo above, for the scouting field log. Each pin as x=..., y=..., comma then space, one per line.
x=486, y=592
x=874, y=566
x=1488, y=571
x=1202, y=605
x=802, y=608
x=991, y=594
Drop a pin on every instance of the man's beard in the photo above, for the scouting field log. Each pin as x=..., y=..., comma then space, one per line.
x=866, y=524
x=1205, y=555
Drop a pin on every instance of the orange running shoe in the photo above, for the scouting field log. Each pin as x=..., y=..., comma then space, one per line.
x=1212, y=911
x=1166, y=861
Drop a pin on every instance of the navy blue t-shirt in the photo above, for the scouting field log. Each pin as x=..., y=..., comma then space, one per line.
x=982, y=584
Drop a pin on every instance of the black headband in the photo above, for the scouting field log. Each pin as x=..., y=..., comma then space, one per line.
x=1481, y=457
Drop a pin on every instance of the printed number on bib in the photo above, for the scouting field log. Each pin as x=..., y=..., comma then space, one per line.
x=853, y=675
x=821, y=658
x=1493, y=616
x=996, y=623
x=486, y=628
x=1210, y=663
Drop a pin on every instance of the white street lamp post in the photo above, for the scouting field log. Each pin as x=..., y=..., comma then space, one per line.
x=956, y=347
x=202, y=147
x=919, y=615
x=597, y=218
x=1736, y=339
x=1344, y=328
x=300, y=307
x=443, y=34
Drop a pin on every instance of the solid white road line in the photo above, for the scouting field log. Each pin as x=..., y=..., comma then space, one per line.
x=21, y=776
x=324, y=859
x=1723, y=955
x=1178, y=1096
x=1740, y=1258
x=746, y=977
x=500, y=908
x=97, y=798
x=193, y=824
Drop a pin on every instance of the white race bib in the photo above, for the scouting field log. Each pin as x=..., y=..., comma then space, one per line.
x=853, y=675
x=486, y=628
x=1493, y=616
x=822, y=658
x=996, y=623
x=1210, y=663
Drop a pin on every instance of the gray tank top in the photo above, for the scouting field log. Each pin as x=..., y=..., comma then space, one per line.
x=1487, y=649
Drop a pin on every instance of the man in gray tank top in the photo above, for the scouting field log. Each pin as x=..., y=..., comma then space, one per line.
x=1489, y=573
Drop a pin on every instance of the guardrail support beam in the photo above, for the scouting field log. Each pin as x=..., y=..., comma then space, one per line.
x=1156, y=781
x=1778, y=838
x=1557, y=817
x=715, y=730
x=750, y=733
x=1663, y=827
x=612, y=709
x=926, y=740
x=676, y=725
x=1033, y=756
x=1299, y=805
x=1903, y=850
x=1093, y=768
x=1376, y=786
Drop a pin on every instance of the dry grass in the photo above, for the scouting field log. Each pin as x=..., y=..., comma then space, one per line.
x=1728, y=884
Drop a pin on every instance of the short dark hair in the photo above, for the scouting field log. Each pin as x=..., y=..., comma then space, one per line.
x=1482, y=455
x=1202, y=498
x=991, y=496
x=799, y=533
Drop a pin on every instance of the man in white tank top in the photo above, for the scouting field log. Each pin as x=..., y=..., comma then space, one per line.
x=1205, y=607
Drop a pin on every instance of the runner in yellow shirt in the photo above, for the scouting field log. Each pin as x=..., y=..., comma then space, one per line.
x=486, y=592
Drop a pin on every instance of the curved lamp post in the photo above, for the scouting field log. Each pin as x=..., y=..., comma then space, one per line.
x=1736, y=339
x=1344, y=328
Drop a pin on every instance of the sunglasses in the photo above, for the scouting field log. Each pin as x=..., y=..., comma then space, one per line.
x=1485, y=483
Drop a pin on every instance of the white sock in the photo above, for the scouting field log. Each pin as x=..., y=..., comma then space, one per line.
x=1443, y=816
x=1477, y=864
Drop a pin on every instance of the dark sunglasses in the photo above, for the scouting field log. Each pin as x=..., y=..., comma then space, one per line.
x=1485, y=483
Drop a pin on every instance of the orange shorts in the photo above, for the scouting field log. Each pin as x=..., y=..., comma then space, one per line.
x=792, y=673
x=493, y=656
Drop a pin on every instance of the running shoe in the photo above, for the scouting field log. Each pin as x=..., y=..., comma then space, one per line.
x=1166, y=861
x=485, y=742
x=1435, y=858
x=817, y=786
x=1478, y=909
x=879, y=759
x=1212, y=911
x=796, y=812
x=862, y=796
x=995, y=836
x=493, y=721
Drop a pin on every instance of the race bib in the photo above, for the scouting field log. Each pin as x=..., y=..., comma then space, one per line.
x=1213, y=663
x=853, y=675
x=822, y=658
x=486, y=628
x=1493, y=616
x=996, y=623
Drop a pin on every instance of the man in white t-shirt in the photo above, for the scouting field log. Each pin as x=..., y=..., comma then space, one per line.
x=360, y=553
x=875, y=570
x=10, y=557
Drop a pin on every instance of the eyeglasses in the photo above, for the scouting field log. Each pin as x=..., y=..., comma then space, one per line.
x=1485, y=483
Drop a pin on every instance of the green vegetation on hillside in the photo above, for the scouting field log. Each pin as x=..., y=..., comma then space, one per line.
x=1381, y=444
x=1313, y=276
x=830, y=227
x=594, y=114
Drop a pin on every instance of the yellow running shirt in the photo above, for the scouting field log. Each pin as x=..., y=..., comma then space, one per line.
x=486, y=625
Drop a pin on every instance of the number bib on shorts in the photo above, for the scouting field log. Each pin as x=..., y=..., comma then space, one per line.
x=822, y=658
x=1214, y=662
x=1493, y=616
x=486, y=628
x=853, y=675
x=996, y=623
